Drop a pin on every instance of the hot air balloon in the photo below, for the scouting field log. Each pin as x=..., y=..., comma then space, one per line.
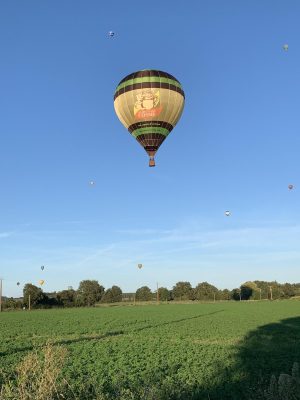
x=111, y=34
x=140, y=266
x=41, y=282
x=18, y=283
x=291, y=187
x=227, y=213
x=285, y=47
x=42, y=268
x=149, y=104
x=92, y=183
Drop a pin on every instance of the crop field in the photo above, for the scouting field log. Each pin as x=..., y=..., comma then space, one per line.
x=176, y=351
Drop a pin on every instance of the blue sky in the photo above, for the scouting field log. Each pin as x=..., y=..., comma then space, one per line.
x=235, y=148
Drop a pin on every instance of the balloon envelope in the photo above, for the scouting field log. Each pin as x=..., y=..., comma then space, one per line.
x=42, y=268
x=291, y=187
x=285, y=47
x=227, y=213
x=18, y=283
x=140, y=266
x=111, y=34
x=149, y=104
x=41, y=282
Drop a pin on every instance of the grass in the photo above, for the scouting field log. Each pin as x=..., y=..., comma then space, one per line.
x=181, y=351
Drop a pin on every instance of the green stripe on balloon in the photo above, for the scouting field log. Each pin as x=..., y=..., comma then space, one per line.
x=153, y=129
x=148, y=79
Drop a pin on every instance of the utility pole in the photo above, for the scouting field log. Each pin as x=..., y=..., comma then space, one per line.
x=29, y=303
x=259, y=293
x=271, y=293
x=0, y=294
x=240, y=294
x=157, y=294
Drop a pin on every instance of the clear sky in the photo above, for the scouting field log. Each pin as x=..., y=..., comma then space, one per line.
x=235, y=148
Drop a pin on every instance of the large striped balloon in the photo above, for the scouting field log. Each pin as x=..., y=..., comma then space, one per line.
x=149, y=104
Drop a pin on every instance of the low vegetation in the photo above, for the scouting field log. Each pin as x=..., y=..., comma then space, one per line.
x=194, y=351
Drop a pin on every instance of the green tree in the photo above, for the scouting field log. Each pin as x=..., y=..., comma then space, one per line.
x=205, y=291
x=182, y=291
x=112, y=295
x=36, y=295
x=235, y=294
x=164, y=294
x=224, y=294
x=144, y=294
x=89, y=293
x=249, y=290
x=66, y=298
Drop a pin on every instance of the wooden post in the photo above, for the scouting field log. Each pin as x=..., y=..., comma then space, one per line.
x=157, y=294
x=29, y=302
x=134, y=299
x=259, y=293
x=240, y=294
x=214, y=297
x=271, y=293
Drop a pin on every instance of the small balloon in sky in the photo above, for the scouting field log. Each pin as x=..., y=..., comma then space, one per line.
x=285, y=47
x=41, y=282
x=227, y=213
x=18, y=283
x=291, y=187
x=140, y=266
x=111, y=34
x=92, y=183
x=42, y=268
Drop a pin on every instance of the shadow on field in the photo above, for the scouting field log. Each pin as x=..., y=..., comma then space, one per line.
x=61, y=342
x=176, y=321
x=99, y=337
x=269, y=350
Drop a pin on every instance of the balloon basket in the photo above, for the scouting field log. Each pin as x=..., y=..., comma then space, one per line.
x=151, y=162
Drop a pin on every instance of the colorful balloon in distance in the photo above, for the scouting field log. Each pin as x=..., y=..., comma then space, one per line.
x=41, y=282
x=285, y=47
x=149, y=103
x=291, y=187
x=18, y=283
x=111, y=34
x=92, y=183
x=140, y=266
x=42, y=268
x=227, y=213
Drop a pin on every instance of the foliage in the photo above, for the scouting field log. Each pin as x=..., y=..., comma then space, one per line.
x=205, y=291
x=183, y=291
x=144, y=294
x=164, y=294
x=287, y=387
x=89, y=293
x=112, y=295
x=66, y=298
x=37, y=377
x=35, y=293
x=176, y=351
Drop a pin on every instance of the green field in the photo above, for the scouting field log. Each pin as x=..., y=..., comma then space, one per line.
x=175, y=351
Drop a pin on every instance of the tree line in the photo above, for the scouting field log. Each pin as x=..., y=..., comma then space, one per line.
x=90, y=292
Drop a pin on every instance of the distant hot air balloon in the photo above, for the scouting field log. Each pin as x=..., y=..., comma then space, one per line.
x=149, y=104
x=41, y=282
x=140, y=266
x=291, y=187
x=285, y=47
x=42, y=268
x=227, y=213
x=18, y=283
x=92, y=183
x=111, y=34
